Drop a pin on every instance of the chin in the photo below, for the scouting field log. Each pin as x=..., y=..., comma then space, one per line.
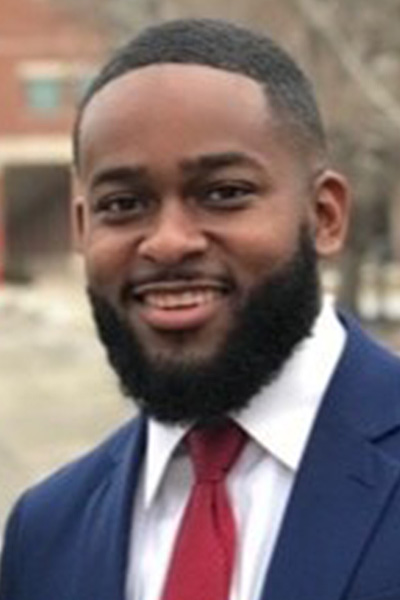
x=187, y=347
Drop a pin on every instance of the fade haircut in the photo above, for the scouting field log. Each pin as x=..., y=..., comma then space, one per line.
x=228, y=47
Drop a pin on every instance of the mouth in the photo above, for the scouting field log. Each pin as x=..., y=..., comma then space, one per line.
x=178, y=305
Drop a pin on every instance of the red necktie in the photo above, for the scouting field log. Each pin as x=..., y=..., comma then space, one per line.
x=203, y=556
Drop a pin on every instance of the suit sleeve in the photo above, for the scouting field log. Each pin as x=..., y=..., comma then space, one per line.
x=10, y=558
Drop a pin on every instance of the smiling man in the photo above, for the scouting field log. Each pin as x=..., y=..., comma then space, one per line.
x=265, y=462
x=199, y=224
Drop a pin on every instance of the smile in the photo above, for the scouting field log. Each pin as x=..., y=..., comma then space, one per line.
x=178, y=305
x=184, y=299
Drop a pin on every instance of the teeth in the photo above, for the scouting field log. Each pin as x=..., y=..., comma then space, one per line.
x=170, y=300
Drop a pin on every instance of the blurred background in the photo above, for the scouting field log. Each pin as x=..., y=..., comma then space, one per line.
x=57, y=396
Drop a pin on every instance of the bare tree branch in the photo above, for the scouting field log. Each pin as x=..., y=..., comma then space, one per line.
x=321, y=20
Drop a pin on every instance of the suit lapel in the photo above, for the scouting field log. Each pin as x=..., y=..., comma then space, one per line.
x=344, y=482
x=107, y=523
x=339, y=496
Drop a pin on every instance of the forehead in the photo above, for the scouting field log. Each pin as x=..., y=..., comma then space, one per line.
x=175, y=81
x=193, y=106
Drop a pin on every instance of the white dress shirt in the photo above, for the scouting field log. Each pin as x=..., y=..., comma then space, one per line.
x=278, y=422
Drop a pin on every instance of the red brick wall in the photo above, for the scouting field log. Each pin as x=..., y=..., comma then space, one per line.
x=38, y=30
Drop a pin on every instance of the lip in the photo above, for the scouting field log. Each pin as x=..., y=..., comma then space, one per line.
x=178, y=305
x=173, y=285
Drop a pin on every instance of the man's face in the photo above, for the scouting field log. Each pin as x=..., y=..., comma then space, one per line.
x=192, y=198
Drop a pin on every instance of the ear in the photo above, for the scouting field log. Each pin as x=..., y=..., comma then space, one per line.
x=331, y=212
x=79, y=214
x=79, y=223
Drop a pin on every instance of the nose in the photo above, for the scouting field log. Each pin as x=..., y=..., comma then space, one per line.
x=175, y=236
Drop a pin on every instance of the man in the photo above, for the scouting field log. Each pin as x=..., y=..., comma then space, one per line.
x=206, y=201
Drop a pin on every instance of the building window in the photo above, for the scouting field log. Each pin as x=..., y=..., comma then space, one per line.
x=44, y=94
x=51, y=87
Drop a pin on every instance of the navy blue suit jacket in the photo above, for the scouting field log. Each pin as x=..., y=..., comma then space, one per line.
x=67, y=538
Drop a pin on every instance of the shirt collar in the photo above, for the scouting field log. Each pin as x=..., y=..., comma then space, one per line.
x=161, y=443
x=280, y=417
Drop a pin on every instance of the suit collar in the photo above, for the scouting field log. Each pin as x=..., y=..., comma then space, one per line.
x=107, y=524
x=342, y=489
x=365, y=385
x=345, y=479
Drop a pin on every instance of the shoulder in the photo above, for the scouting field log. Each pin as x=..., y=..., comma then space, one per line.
x=72, y=484
x=49, y=525
x=370, y=354
x=365, y=388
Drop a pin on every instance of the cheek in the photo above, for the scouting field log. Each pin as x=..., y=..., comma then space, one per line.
x=260, y=251
x=108, y=260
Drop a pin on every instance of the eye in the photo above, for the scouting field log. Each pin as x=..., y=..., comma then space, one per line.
x=228, y=195
x=120, y=207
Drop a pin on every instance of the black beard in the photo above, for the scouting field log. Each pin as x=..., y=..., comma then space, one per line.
x=278, y=315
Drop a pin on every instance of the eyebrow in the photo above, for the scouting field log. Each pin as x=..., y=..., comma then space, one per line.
x=212, y=162
x=195, y=167
x=122, y=174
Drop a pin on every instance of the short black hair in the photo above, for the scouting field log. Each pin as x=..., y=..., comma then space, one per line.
x=227, y=46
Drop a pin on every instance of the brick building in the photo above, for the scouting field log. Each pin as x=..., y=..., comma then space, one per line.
x=46, y=59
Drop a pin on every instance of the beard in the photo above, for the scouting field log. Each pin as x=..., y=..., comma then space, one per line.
x=277, y=316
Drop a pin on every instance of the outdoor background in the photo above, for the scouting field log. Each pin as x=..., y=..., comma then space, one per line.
x=57, y=395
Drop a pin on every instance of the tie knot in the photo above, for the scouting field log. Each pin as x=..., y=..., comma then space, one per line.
x=213, y=450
